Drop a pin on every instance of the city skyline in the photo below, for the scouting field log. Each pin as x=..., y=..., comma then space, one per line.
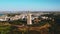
x=29, y=5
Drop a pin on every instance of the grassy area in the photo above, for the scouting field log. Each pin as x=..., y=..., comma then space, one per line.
x=4, y=28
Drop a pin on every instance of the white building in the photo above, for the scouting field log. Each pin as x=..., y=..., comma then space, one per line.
x=4, y=18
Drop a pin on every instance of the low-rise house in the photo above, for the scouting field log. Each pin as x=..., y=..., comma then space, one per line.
x=4, y=18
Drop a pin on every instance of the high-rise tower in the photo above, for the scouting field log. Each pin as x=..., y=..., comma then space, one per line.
x=29, y=21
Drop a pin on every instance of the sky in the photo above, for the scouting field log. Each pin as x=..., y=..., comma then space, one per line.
x=29, y=5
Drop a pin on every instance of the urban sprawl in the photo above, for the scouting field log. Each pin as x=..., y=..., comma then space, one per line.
x=30, y=22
